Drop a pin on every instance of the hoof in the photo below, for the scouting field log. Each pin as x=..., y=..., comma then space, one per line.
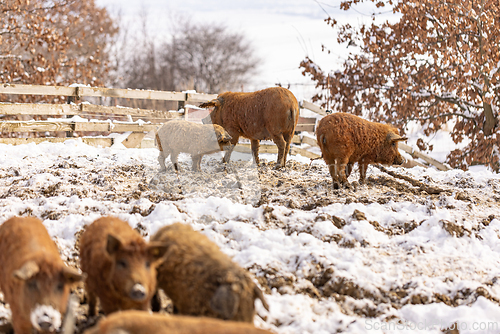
x=278, y=166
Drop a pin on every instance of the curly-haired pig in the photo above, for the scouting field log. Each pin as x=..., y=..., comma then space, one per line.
x=270, y=113
x=178, y=136
x=345, y=139
x=203, y=281
x=33, y=277
x=120, y=264
x=139, y=322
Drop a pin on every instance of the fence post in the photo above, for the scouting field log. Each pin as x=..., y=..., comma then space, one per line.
x=73, y=99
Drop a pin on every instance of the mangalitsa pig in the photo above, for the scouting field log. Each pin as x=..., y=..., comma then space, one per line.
x=120, y=264
x=203, y=281
x=345, y=139
x=33, y=277
x=179, y=136
x=139, y=322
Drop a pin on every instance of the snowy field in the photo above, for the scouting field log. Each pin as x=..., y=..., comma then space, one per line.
x=384, y=258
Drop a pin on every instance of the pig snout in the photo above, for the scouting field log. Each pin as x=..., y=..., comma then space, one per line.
x=138, y=292
x=207, y=120
x=46, y=318
x=399, y=160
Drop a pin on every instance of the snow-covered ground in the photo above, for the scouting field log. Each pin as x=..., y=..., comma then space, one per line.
x=329, y=261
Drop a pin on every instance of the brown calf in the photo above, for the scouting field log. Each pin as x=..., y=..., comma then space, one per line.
x=203, y=281
x=270, y=113
x=138, y=322
x=345, y=139
x=33, y=277
x=120, y=265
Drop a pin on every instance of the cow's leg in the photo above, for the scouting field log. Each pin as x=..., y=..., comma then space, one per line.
x=230, y=148
x=173, y=158
x=255, y=150
x=288, y=139
x=280, y=142
x=196, y=162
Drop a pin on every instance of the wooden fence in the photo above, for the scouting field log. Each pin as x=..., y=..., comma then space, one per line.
x=74, y=118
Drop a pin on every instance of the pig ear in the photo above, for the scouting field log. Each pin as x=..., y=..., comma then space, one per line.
x=72, y=275
x=27, y=271
x=213, y=103
x=219, y=134
x=156, y=250
x=391, y=136
x=113, y=244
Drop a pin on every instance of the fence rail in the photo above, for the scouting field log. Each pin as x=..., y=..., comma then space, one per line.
x=137, y=129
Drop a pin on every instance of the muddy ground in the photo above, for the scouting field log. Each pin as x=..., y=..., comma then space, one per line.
x=299, y=187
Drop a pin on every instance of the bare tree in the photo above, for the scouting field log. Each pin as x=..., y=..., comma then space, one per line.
x=206, y=58
x=209, y=57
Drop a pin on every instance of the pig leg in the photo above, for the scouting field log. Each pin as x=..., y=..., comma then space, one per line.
x=288, y=139
x=362, y=172
x=342, y=174
x=161, y=160
x=255, y=150
x=92, y=304
x=348, y=169
x=338, y=173
x=333, y=168
x=280, y=142
x=156, y=302
x=196, y=162
x=230, y=148
x=173, y=158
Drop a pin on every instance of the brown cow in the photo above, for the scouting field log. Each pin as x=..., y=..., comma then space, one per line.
x=139, y=322
x=345, y=139
x=120, y=265
x=178, y=136
x=203, y=281
x=270, y=113
x=33, y=277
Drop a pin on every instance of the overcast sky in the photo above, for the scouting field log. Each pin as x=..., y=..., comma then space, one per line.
x=283, y=32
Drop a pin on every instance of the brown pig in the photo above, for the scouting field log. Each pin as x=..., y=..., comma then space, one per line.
x=270, y=113
x=203, y=281
x=33, y=277
x=345, y=139
x=120, y=265
x=139, y=322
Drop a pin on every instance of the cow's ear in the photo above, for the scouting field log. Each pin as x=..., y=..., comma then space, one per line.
x=27, y=271
x=113, y=244
x=401, y=139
